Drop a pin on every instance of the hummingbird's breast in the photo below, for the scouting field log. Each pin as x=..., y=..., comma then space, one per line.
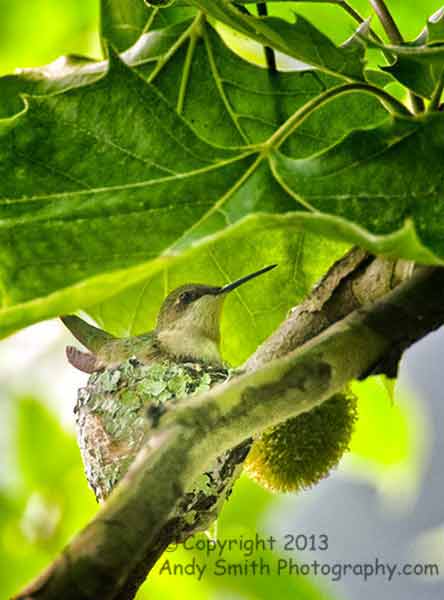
x=185, y=347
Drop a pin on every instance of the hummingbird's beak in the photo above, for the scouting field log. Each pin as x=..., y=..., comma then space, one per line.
x=232, y=286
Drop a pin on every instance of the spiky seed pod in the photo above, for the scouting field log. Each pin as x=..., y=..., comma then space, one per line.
x=120, y=406
x=298, y=453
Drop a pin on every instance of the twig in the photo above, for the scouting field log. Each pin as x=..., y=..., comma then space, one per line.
x=387, y=21
x=270, y=56
x=395, y=36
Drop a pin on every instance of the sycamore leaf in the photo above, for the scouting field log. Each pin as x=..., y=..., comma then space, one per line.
x=71, y=71
x=419, y=64
x=237, y=89
x=123, y=22
x=107, y=176
x=243, y=103
x=378, y=178
x=300, y=39
x=63, y=73
x=188, y=62
x=435, y=28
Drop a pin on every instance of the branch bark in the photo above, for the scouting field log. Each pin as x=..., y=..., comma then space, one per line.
x=282, y=379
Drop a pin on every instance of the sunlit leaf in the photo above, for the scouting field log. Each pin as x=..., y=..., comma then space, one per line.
x=299, y=39
x=123, y=22
x=419, y=64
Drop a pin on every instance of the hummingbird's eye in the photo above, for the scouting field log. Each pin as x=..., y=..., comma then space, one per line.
x=187, y=297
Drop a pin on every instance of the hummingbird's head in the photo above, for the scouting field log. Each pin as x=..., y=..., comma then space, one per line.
x=189, y=319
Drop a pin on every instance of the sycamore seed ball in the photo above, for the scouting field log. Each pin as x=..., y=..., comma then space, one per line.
x=298, y=453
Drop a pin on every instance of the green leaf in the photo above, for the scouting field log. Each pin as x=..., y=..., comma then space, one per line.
x=63, y=73
x=190, y=64
x=123, y=22
x=241, y=112
x=419, y=64
x=65, y=185
x=244, y=104
x=69, y=216
x=300, y=39
x=435, y=28
x=68, y=72
x=383, y=179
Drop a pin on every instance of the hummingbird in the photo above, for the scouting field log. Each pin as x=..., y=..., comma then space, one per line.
x=187, y=329
x=135, y=380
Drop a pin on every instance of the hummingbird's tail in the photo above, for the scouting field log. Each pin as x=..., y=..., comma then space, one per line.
x=84, y=361
x=91, y=337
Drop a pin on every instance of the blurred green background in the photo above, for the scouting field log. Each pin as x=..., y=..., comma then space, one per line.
x=44, y=497
x=35, y=33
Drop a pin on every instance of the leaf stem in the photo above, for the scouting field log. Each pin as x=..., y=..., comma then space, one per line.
x=395, y=36
x=195, y=25
x=394, y=106
x=270, y=56
x=186, y=72
x=150, y=20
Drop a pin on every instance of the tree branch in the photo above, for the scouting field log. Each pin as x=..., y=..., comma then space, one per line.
x=102, y=559
x=352, y=282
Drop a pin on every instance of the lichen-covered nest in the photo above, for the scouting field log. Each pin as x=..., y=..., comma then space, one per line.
x=121, y=405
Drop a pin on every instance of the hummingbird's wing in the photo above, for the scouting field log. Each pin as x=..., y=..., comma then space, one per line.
x=145, y=348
